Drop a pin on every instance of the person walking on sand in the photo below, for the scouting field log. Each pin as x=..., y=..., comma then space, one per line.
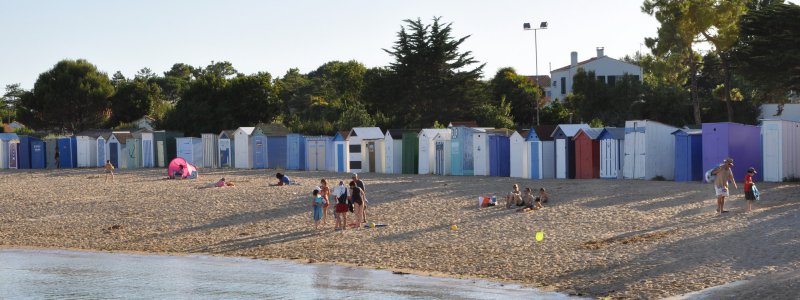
x=109, y=170
x=325, y=192
x=58, y=162
x=514, y=198
x=749, y=195
x=724, y=175
x=316, y=204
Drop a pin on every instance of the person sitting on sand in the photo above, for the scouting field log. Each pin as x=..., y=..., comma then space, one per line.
x=178, y=174
x=527, y=201
x=109, y=170
x=514, y=198
x=543, y=197
x=282, y=180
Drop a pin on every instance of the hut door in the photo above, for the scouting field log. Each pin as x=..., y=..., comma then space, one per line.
x=371, y=157
x=12, y=155
x=772, y=156
x=113, y=155
x=639, y=155
x=147, y=153
x=439, y=165
x=320, y=153
x=561, y=158
x=536, y=159
x=340, y=158
x=160, y=152
x=101, y=152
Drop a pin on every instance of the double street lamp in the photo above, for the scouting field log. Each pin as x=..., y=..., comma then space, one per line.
x=527, y=26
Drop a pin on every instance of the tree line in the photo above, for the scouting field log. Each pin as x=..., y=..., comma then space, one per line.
x=432, y=81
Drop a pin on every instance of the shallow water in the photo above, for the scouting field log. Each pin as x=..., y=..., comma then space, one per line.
x=59, y=274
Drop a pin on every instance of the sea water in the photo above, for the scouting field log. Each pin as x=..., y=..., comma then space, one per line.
x=60, y=274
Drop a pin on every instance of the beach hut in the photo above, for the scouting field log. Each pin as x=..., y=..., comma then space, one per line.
x=565, y=149
x=25, y=152
x=210, y=150
x=480, y=153
x=612, y=143
x=542, y=152
x=520, y=168
x=426, y=150
x=133, y=150
x=225, y=146
x=9, y=151
x=499, y=153
x=317, y=152
x=366, y=149
x=113, y=149
x=276, y=146
x=146, y=139
x=688, y=154
x=67, y=152
x=441, y=144
x=410, y=152
x=190, y=149
x=243, y=146
x=780, y=141
x=87, y=150
x=461, y=150
x=124, y=152
x=259, y=153
x=38, y=154
x=342, y=146
x=393, y=151
x=165, y=148
x=587, y=153
x=101, y=148
x=295, y=152
x=738, y=141
x=649, y=150
x=50, y=147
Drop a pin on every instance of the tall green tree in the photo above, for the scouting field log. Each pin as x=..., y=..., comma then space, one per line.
x=521, y=93
x=9, y=102
x=432, y=79
x=134, y=99
x=71, y=96
x=768, y=53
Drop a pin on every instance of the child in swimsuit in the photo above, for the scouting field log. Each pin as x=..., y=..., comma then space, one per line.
x=317, y=205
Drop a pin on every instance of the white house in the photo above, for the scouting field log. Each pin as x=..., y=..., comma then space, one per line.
x=606, y=69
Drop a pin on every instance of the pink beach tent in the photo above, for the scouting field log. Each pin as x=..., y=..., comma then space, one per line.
x=189, y=171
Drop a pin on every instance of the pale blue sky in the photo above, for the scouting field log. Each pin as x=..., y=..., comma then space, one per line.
x=274, y=36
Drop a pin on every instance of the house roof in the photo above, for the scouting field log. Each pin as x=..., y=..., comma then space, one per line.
x=8, y=136
x=523, y=133
x=367, y=133
x=613, y=133
x=432, y=132
x=95, y=133
x=500, y=131
x=463, y=123
x=592, y=133
x=568, y=130
x=273, y=129
x=542, y=80
x=444, y=135
x=396, y=134
x=541, y=133
x=246, y=130
x=580, y=64
x=228, y=133
x=122, y=136
x=341, y=135
x=688, y=131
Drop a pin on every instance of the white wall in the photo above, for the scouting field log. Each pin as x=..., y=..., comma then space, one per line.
x=605, y=66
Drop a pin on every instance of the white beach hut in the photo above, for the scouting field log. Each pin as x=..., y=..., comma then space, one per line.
x=210, y=150
x=612, y=146
x=366, y=149
x=565, y=148
x=9, y=158
x=225, y=147
x=147, y=138
x=649, y=150
x=441, y=153
x=393, y=145
x=242, y=147
x=542, y=152
x=101, y=148
x=87, y=151
x=480, y=153
x=781, y=149
x=427, y=154
x=519, y=154
x=119, y=142
x=190, y=149
x=317, y=152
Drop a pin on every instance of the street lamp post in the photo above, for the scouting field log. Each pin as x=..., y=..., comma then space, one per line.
x=527, y=26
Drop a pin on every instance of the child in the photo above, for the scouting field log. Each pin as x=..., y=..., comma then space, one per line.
x=317, y=205
x=749, y=195
x=282, y=179
x=325, y=193
x=109, y=170
x=543, y=197
x=527, y=201
x=221, y=183
x=341, y=208
x=514, y=197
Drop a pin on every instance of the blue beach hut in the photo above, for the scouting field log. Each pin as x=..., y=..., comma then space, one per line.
x=24, y=151
x=688, y=154
x=67, y=152
x=499, y=155
x=295, y=152
x=260, y=150
x=542, y=154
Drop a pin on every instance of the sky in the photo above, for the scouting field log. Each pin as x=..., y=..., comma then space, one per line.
x=274, y=36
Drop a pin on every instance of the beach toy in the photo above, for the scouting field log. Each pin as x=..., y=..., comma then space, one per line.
x=539, y=236
x=371, y=225
x=454, y=227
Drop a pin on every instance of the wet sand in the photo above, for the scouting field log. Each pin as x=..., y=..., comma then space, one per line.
x=618, y=238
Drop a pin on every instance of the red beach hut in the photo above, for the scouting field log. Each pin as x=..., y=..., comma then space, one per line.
x=587, y=153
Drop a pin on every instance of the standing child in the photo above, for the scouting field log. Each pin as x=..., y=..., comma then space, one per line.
x=749, y=195
x=325, y=193
x=341, y=208
x=317, y=205
x=109, y=170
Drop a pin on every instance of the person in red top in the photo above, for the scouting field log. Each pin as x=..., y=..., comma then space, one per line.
x=748, y=188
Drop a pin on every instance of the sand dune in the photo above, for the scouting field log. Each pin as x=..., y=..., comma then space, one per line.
x=619, y=238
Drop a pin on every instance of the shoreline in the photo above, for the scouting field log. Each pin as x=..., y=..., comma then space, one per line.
x=617, y=238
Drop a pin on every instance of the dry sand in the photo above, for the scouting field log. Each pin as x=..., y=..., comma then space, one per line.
x=618, y=238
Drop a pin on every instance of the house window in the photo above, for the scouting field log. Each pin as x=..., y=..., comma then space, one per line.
x=555, y=83
x=612, y=80
x=563, y=85
x=601, y=79
x=355, y=149
x=355, y=165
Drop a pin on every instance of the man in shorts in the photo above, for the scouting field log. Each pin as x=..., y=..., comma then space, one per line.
x=724, y=176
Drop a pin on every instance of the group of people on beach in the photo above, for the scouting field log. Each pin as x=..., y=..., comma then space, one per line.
x=723, y=176
x=347, y=198
x=526, y=202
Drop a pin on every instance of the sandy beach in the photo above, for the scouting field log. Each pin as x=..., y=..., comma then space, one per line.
x=617, y=238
